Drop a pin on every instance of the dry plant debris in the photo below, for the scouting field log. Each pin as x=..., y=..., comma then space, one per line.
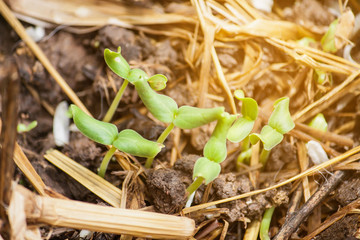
x=207, y=49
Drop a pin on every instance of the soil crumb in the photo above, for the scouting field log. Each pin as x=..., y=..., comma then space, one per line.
x=342, y=229
x=228, y=185
x=280, y=155
x=348, y=191
x=167, y=190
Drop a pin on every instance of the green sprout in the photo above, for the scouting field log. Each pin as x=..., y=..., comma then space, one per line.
x=265, y=224
x=322, y=77
x=207, y=168
x=305, y=41
x=127, y=141
x=117, y=63
x=328, y=40
x=162, y=107
x=242, y=127
x=280, y=122
x=21, y=127
x=319, y=122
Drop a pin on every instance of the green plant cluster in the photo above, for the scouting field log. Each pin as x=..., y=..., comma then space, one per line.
x=228, y=127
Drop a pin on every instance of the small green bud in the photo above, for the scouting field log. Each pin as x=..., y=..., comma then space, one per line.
x=136, y=75
x=328, y=40
x=243, y=125
x=215, y=148
x=305, y=41
x=319, y=122
x=157, y=82
x=117, y=63
x=268, y=135
x=280, y=118
x=26, y=128
x=207, y=169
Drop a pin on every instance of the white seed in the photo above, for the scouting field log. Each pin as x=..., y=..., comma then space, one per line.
x=61, y=124
x=36, y=33
x=316, y=152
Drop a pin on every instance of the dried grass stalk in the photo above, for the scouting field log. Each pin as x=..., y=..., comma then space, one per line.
x=26, y=168
x=94, y=13
x=96, y=184
x=79, y=215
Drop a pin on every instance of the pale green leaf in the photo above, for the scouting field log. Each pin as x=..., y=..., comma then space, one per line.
x=191, y=117
x=215, y=148
x=328, y=40
x=21, y=127
x=280, y=118
x=117, y=63
x=98, y=131
x=305, y=41
x=319, y=122
x=269, y=137
x=162, y=107
x=133, y=143
x=240, y=129
x=207, y=169
x=157, y=82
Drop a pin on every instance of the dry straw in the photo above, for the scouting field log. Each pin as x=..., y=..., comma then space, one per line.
x=80, y=215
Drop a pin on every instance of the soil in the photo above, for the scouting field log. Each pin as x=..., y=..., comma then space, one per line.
x=343, y=229
x=79, y=59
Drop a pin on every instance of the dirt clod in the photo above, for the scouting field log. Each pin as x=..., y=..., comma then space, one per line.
x=167, y=190
x=348, y=191
x=342, y=229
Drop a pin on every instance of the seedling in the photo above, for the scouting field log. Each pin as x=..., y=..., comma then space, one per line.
x=208, y=167
x=21, y=127
x=316, y=152
x=105, y=133
x=242, y=127
x=319, y=122
x=162, y=107
x=120, y=66
x=265, y=223
x=280, y=122
x=328, y=40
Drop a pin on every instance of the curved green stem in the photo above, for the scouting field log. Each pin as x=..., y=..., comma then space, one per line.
x=265, y=224
x=161, y=140
x=105, y=161
x=115, y=103
x=195, y=185
x=264, y=155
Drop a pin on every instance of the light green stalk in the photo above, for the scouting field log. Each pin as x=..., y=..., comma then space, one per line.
x=105, y=161
x=265, y=224
x=161, y=140
x=110, y=113
x=195, y=185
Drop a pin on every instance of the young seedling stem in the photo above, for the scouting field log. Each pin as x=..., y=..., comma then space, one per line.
x=105, y=161
x=110, y=113
x=265, y=224
x=264, y=155
x=195, y=185
x=161, y=140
